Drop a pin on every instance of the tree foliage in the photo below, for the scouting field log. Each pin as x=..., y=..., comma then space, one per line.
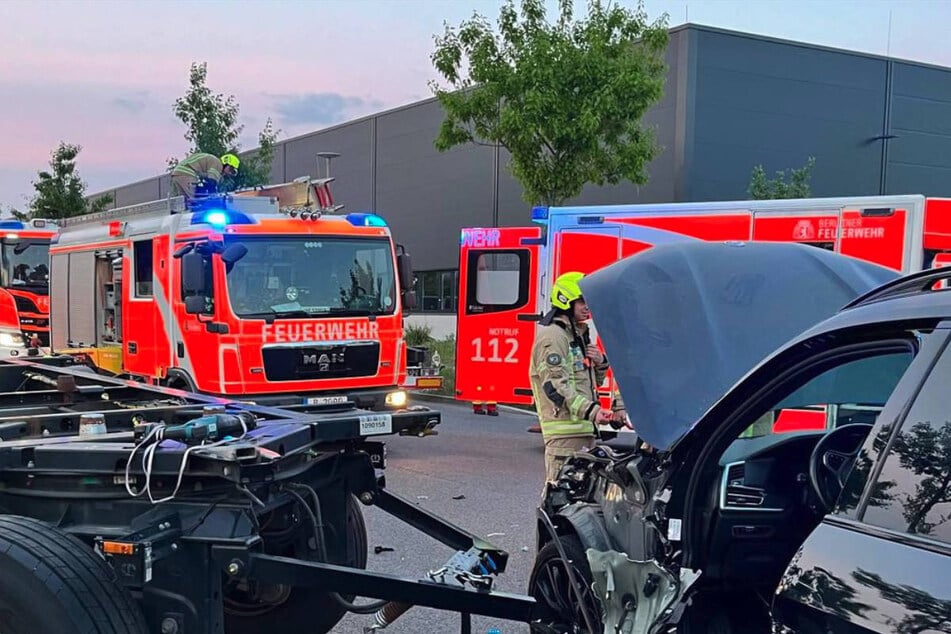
x=565, y=99
x=211, y=121
x=762, y=188
x=60, y=192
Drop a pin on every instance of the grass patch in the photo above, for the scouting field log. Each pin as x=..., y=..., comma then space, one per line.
x=447, y=357
x=418, y=335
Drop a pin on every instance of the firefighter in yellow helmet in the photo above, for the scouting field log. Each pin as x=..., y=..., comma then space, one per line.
x=200, y=173
x=566, y=370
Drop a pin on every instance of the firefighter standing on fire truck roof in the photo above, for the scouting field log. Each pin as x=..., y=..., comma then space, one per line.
x=202, y=169
x=565, y=374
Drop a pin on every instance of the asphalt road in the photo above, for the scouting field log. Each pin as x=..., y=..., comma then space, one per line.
x=498, y=467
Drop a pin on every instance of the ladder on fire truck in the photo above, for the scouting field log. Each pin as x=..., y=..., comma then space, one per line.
x=303, y=194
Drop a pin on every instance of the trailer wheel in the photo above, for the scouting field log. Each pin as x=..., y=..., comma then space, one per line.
x=300, y=610
x=50, y=581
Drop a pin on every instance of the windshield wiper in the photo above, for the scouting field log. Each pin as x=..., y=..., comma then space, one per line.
x=270, y=316
x=353, y=312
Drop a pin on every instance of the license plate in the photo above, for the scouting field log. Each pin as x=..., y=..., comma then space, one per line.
x=325, y=400
x=374, y=424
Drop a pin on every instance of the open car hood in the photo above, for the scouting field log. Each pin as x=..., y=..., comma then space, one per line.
x=682, y=323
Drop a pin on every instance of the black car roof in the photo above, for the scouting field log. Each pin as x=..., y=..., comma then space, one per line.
x=909, y=298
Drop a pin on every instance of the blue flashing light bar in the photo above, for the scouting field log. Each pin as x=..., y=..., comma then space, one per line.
x=540, y=215
x=12, y=224
x=365, y=220
x=220, y=218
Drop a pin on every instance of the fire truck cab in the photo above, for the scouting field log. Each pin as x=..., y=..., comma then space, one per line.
x=506, y=273
x=268, y=295
x=24, y=284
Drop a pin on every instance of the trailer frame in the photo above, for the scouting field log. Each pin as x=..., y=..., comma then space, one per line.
x=210, y=531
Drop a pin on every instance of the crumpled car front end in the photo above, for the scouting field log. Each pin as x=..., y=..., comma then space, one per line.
x=683, y=325
x=612, y=503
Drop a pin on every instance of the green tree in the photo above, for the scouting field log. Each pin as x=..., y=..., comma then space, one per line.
x=60, y=192
x=211, y=121
x=565, y=99
x=762, y=188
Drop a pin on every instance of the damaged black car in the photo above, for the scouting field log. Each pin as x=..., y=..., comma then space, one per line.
x=790, y=471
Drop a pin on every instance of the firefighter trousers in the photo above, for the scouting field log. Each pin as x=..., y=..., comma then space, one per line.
x=558, y=450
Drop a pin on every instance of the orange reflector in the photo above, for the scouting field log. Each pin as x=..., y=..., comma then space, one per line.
x=118, y=548
x=424, y=382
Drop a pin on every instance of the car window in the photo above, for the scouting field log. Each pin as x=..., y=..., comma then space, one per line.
x=913, y=490
x=853, y=392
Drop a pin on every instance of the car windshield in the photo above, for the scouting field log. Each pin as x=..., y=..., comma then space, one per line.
x=854, y=392
x=312, y=276
x=25, y=263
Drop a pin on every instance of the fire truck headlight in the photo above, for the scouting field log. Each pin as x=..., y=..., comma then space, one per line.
x=11, y=340
x=396, y=399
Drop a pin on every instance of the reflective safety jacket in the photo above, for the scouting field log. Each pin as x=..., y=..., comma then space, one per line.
x=564, y=382
x=200, y=165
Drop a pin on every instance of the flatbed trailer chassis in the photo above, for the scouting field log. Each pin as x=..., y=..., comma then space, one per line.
x=212, y=514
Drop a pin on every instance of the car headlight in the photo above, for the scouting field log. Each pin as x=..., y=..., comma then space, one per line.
x=11, y=340
x=396, y=399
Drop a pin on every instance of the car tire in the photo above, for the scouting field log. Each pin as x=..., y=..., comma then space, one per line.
x=306, y=610
x=548, y=584
x=50, y=581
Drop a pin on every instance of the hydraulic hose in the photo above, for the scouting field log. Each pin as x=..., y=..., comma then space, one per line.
x=317, y=523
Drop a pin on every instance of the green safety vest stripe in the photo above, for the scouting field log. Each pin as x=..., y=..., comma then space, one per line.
x=576, y=403
x=184, y=167
x=566, y=427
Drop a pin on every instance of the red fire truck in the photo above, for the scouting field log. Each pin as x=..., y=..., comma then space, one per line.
x=24, y=284
x=270, y=295
x=505, y=273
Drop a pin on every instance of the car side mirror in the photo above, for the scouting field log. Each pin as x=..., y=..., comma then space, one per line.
x=404, y=264
x=233, y=253
x=195, y=304
x=193, y=274
x=409, y=300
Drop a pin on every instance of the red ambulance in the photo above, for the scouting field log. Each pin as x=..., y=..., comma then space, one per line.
x=505, y=273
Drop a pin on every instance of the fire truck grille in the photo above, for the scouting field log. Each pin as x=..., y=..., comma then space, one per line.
x=307, y=363
x=25, y=305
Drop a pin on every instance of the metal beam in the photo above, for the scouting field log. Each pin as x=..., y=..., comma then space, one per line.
x=436, y=527
x=375, y=585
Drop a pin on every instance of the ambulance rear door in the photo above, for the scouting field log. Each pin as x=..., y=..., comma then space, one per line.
x=497, y=314
x=586, y=248
x=889, y=232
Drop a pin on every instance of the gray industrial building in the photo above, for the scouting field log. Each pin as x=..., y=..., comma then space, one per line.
x=876, y=125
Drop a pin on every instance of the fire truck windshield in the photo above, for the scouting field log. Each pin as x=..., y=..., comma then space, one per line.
x=313, y=276
x=25, y=263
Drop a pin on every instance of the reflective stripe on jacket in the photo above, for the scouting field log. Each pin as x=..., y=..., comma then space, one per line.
x=564, y=386
x=200, y=165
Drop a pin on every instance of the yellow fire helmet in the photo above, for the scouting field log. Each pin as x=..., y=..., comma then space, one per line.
x=232, y=160
x=566, y=290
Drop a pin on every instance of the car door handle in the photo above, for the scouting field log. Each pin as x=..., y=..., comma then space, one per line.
x=133, y=347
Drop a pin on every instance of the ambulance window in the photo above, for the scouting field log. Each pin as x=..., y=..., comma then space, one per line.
x=142, y=260
x=498, y=280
